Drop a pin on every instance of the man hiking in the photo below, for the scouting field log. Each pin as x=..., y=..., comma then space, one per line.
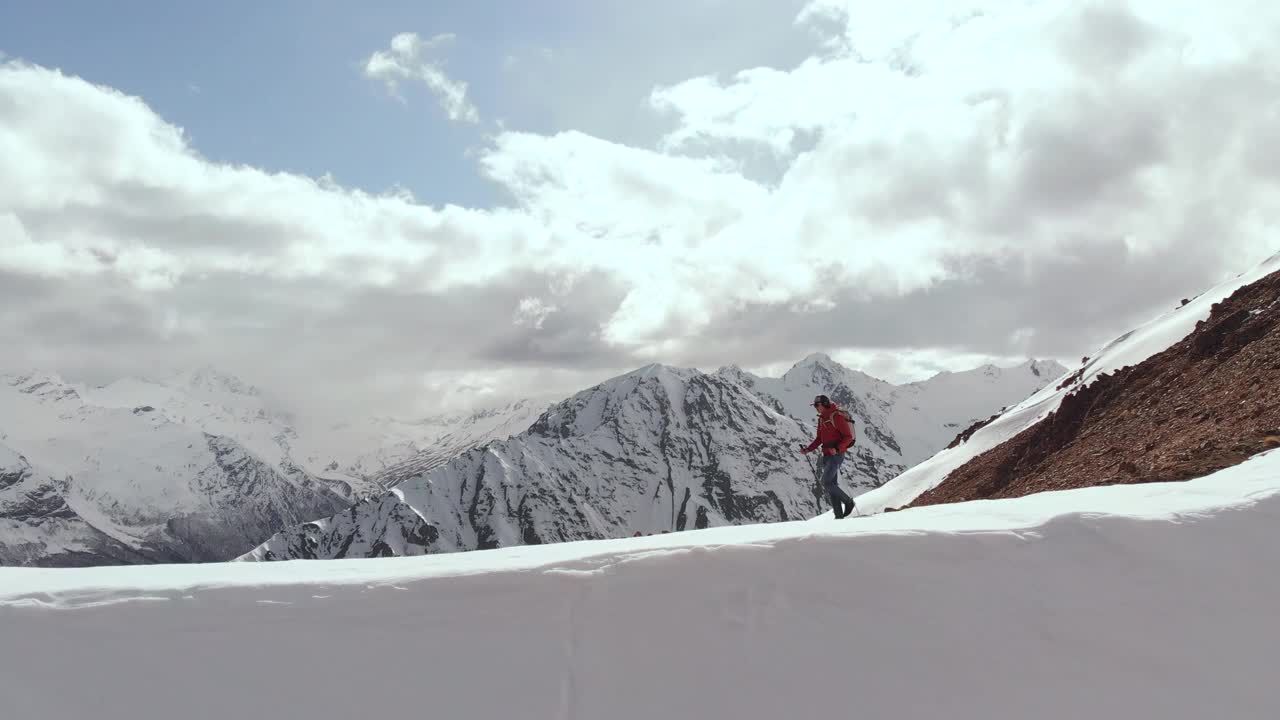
x=835, y=435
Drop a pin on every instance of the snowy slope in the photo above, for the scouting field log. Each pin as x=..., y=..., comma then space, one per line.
x=929, y=414
x=36, y=523
x=659, y=449
x=354, y=458
x=147, y=471
x=381, y=451
x=222, y=405
x=440, y=439
x=899, y=425
x=1129, y=349
x=1146, y=601
x=102, y=484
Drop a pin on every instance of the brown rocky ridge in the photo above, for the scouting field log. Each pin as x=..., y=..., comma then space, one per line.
x=1207, y=403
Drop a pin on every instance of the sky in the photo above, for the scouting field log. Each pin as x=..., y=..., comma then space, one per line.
x=407, y=207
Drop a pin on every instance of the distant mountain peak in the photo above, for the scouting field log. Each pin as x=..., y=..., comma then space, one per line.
x=819, y=359
x=206, y=377
x=1045, y=368
x=816, y=363
x=734, y=373
x=658, y=370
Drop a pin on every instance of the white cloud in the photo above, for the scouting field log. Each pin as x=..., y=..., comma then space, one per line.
x=643, y=217
x=532, y=312
x=405, y=60
x=998, y=127
x=1028, y=180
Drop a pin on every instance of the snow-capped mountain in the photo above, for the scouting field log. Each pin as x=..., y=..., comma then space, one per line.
x=37, y=525
x=354, y=458
x=377, y=452
x=405, y=449
x=145, y=451
x=223, y=405
x=1189, y=393
x=87, y=483
x=658, y=449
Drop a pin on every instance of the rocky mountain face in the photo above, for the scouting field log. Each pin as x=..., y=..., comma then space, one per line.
x=102, y=485
x=1205, y=403
x=657, y=450
x=194, y=467
x=37, y=527
x=1181, y=396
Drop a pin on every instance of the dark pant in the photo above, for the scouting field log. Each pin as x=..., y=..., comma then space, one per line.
x=840, y=500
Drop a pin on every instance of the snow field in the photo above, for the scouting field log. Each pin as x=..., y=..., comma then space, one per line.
x=1134, y=601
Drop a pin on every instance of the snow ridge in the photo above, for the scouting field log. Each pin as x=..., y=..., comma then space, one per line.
x=1148, y=596
x=1129, y=349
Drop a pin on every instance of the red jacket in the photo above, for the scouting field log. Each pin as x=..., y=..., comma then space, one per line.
x=835, y=435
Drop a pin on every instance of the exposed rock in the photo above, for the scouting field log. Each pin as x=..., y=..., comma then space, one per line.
x=1206, y=403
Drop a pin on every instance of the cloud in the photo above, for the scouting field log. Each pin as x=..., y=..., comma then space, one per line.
x=953, y=182
x=1001, y=129
x=405, y=60
x=533, y=312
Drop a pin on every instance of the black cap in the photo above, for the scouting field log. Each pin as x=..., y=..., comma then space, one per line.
x=822, y=400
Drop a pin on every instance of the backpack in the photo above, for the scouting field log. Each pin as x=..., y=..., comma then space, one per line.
x=853, y=428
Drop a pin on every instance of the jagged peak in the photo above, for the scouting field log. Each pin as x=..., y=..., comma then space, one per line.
x=813, y=368
x=813, y=363
x=668, y=377
x=818, y=358
x=735, y=374
x=658, y=370
x=607, y=401
x=1044, y=368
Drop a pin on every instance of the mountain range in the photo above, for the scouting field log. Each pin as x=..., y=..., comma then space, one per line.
x=201, y=466
x=194, y=467
x=661, y=449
